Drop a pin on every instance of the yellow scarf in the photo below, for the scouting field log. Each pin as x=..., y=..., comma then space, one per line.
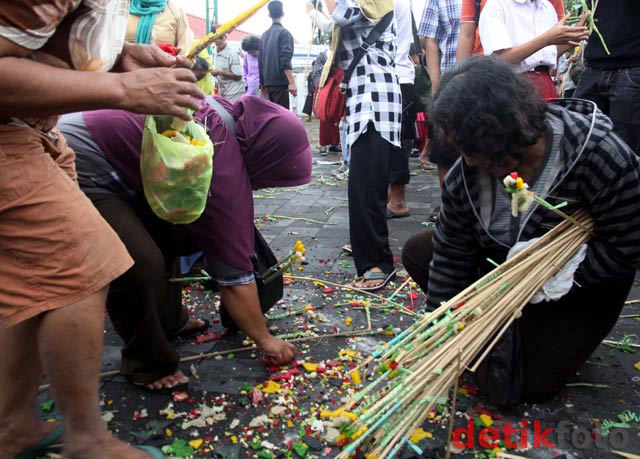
x=373, y=10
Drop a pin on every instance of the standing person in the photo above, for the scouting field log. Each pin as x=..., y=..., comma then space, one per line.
x=58, y=255
x=276, y=52
x=565, y=150
x=159, y=21
x=250, y=69
x=372, y=111
x=227, y=70
x=438, y=30
x=399, y=176
x=612, y=80
x=529, y=36
x=469, y=37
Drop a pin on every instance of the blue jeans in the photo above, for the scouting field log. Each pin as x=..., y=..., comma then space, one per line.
x=617, y=93
x=346, y=150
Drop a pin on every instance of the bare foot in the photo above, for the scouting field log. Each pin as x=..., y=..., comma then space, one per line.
x=168, y=381
x=101, y=447
x=192, y=324
x=20, y=438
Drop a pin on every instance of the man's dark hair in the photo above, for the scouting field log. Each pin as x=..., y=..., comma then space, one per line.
x=250, y=43
x=275, y=9
x=483, y=108
x=201, y=64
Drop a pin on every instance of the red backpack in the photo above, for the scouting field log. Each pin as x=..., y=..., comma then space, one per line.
x=329, y=100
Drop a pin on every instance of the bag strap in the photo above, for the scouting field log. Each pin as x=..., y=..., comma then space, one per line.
x=362, y=49
x=476, y=17
x=223, y=113
x=416, y=40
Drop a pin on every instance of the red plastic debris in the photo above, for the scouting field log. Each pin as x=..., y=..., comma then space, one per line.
x=180, y=396
x=207, y=337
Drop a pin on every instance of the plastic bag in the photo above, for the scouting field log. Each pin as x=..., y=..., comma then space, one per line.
x=560, y=284
x=176, y=172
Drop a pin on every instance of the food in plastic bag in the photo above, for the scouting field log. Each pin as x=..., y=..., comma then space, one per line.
x=176, y=166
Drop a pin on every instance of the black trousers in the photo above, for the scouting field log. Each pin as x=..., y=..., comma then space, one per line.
x=556, y=337
x=368, y=180
x=399, y=160
x=143, y=306
x=279, y=95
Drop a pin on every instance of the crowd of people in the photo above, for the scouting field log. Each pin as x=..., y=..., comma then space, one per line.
x=77, y=235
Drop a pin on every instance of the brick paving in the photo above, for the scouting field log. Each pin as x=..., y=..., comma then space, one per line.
x=134, y=415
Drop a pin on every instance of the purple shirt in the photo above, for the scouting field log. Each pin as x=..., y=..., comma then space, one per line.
x=251, y=74
x=270, y=149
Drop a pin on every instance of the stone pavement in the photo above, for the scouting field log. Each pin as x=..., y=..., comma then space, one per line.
x=216, y=411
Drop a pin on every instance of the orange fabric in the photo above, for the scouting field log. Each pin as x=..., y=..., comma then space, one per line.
x=55, y=248
x=468, y=14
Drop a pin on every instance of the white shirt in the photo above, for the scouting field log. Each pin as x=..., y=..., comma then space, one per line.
x=404, y=66
x=508, y=23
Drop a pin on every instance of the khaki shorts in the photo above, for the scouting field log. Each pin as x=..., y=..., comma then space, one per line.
x=55, y=248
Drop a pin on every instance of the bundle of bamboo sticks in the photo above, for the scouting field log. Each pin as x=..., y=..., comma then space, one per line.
x=418, y=367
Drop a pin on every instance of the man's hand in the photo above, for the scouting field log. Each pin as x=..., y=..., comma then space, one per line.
x=293, y=89
x=158, y=91
x=278, y=350
x=135, y=57
x=561, y=34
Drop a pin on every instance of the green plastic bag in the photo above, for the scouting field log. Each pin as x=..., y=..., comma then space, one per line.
x=176, y=176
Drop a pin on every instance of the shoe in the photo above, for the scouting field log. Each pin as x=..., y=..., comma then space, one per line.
x=335, y=149
x=342, y=176
x=415, y=153
x=375, y=275
x=47, y=444
x=186, y=334
x=322, y=151
x=154, y=453
x=392, y=214
x=347, y=248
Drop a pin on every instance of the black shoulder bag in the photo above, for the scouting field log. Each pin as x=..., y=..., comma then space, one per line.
x=270, y=292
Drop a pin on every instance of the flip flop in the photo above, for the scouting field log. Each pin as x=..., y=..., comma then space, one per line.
x=154, y=453
x=392, y=214
x=347, y=248
x=186, y=334
x=427, y=166
x=47, y=444
x=375, y=275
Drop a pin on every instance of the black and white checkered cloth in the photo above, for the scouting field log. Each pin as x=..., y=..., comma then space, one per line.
x=373, y=93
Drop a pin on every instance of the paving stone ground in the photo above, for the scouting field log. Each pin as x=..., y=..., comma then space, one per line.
x=606, y=386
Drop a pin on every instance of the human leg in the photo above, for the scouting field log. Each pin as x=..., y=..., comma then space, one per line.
x=417, y=253
x=624, y=105
x=398, y=179
x=70, y=346
x=142, y=305
x=559, y=336
x=20, y=374
x=593, y=86
x=279, y=95
x=368, y=179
